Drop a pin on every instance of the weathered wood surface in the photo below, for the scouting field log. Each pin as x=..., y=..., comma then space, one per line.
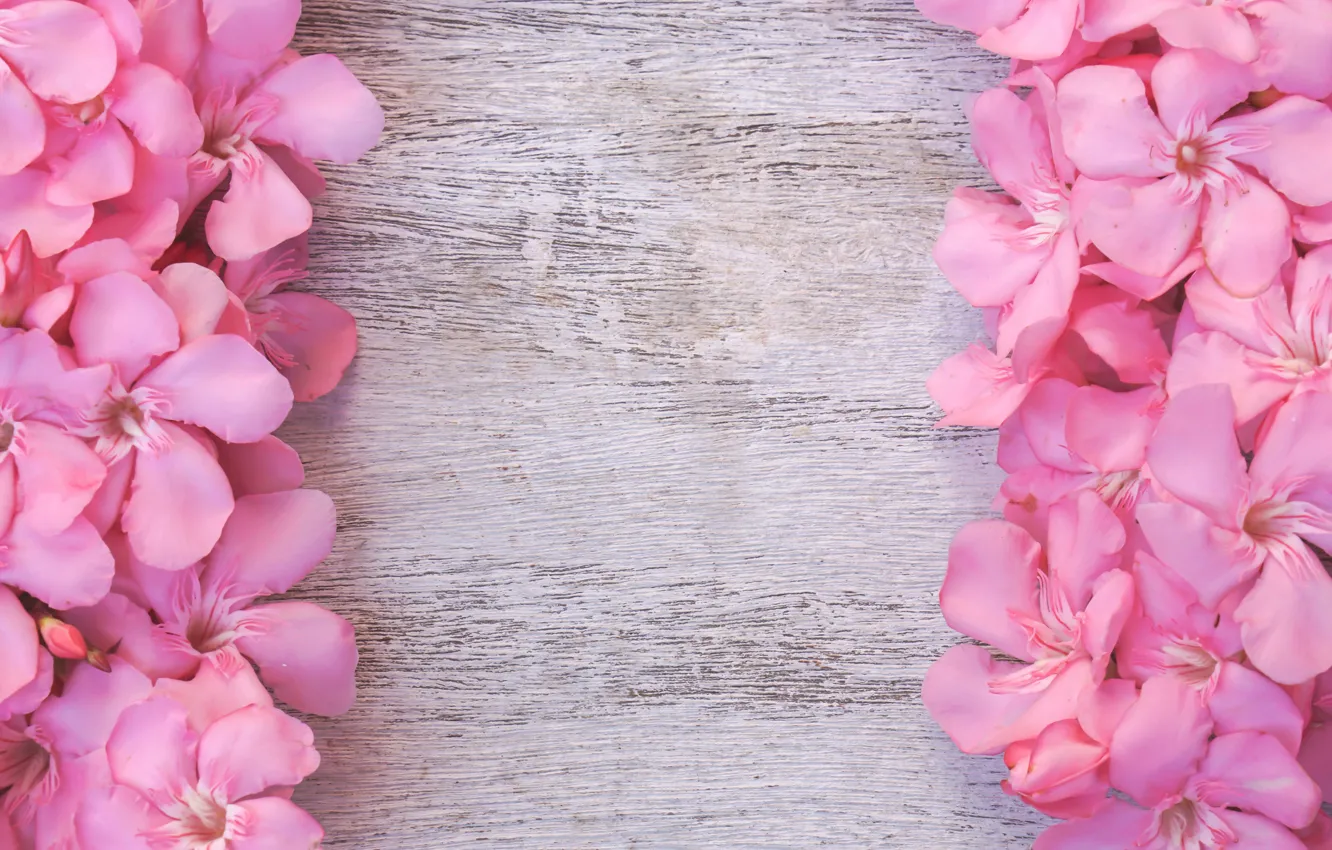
x=642, y=512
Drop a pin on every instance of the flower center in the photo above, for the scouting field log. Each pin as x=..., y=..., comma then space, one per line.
x=1190, y=661
x=1189, y=825
x=1119, y=490
x=126, y=421
x=198, y=821
x=6, y=435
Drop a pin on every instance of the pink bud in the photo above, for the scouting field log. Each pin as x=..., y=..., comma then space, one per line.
x=62, y=639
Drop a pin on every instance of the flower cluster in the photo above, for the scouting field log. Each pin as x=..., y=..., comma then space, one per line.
x=1157, y=278
x=157, y=160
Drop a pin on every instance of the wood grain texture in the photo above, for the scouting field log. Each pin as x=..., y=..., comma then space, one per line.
x=642, y=514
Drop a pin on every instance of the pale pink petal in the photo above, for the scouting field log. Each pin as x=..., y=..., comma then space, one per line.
x=1106, y=615
x=1116, y=329
x=1197, y=84
x=25, y=129
x=1046, y=301
x=109, y=304
x=251, y=28
x=62, y=49
x=225, y=682
x=122, y=19
x=1255, y=832
x=1043, y=419
x=102, y=257
x=1247, y=701
x=272, y=823
x=23, y=206
x=271, y=542
x=196, y=295
x=319, y=335
x=82, y=716
x=1297, y=132
x=1084, y=541
x=1248, y=320
x=980, y=251
x=1142, y=225
x=323, y=111
x=1187, y=541
x=179, y=501
x=221, y=383
x=1151, y=760
x=152, y=750
x=301, y=170
x=1111, y=430
x=1104, y=19
x=975, y=387
x=1194, y=454
x=118, y=622
x=1294, y=35
x=1215, y=358
x=992, y=567
x=1254, y=772
x=1246, y=237
x=99, y=167
x=1218, y=28
x=116, y=816
x=18, y=645
x=1116, y=827
x=972, y=16
x=28, y=698
x=58, y=477
x=106, y=505
x=254, y=749
x=65, y=570
x=1283, y=619
x=306, y=654
x=1295, y=449
x=173, y=36
x=1042, y=32
x=1146, y=287
x=1009, y=141
x=158, y=108
x=267, y=466
x=263, y=208
x=1108, y=127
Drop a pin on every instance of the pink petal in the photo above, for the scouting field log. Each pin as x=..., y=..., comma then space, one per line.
x=25, y=129
x=1248, y=320
x=1117, y=330
x=152, y=750
x=122, y=19
x=58, y=477
x=1111, y=430
x=271, y=542
x=82, y=717
x=63, y=49
x=18, y=648
x=272, y=823
x=1295, y=449
x=99, y=167
x=319, y=335
x=1042, y=32
x=305, y=653
x=1298, y=132
x=1146, y=287
x=225, y=682
x=173, y=36
x=1046, y=302
x=323, y=110
x=1084, y=542
x=1194, y=454
x=301, y=170
x=1316, y=755
x=1195, y=549
x=1142, y=225
x=1043, y=420
x=1254, y=832
x=1215, y=358
x=1009, y=141
x=1151, y=760
x=196, y=296
x=1218, y=28
x=980, y=252
x=1197, y=85
x=179, y=501
x=1254, y=772
x=1109, y=129
x=116, y=816
x=104, y=510
x=102, y=257
x=991, y=577
x=1116, y=827
x=118, y=622
x=158, y=109
x=23, y=206
x=1283, y=619
x=971, y=16
x=268, y=466
x=263, y=208
x=254, y=749
x=1104, y=19
x=65, y=570
x=1294, y=35
x=109, y=304
x=251, y=28
x=221, y=383
x=976, y=388
x=1106, y=614
x=1245, y=700
x=1246, y=237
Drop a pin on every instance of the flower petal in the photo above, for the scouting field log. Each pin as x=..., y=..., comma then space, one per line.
x=1195, y=456
x=252, y=750
x=1254, y=772
x=116, y=816
x=980, y=252
x=158, y=109
x=1150, y=760
x=271, y=542
x=1293, y=36
x=24, y=207
x=306, y=654
x=1195, y=549
x=262, y=209
x=108, y=305
x=267, y=466
x=25, y=129
x=1283, y=619
x=221, y=383
x=65, y=570
x=82, y=716
x=1042, y=32
x=991, y=578
x=1109, y=129
x=319, y=335
x=1297, y=132
x=1116, y=827
x=99, y=167
x=1245, y=700
x=1142, y=225
x=323, y=112
x=1220, y=29
x=251, y=29
x=152, y=750
x=18, y=648
x=58, y=477
x=1246, y=237
x=272, y=823
x=63, y=49
x=196, y=295
x=1215, y=358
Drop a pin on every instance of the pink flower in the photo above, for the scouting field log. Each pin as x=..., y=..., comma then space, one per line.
x=1316, y=747
x=312, y=106
x=1025, y=29
x=1265, y=348
x=1230, y=524
x=1242, y=789
x=175, y=497
x=1061, y=614
x=309, y=339
x=1151, y=184
x=188, y=785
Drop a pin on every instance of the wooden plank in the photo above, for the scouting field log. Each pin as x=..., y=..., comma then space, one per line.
x=642, y=513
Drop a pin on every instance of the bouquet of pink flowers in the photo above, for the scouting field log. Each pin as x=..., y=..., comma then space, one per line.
x=157, y=161
x=1157, y=279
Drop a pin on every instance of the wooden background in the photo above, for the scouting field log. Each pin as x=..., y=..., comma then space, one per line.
x=642, y=513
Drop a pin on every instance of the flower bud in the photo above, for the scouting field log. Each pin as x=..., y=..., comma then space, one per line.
x=62, y=639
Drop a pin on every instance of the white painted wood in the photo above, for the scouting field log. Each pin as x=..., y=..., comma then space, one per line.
x=642, y=512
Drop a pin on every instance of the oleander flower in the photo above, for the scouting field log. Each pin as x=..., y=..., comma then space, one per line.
x=1023, y=29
